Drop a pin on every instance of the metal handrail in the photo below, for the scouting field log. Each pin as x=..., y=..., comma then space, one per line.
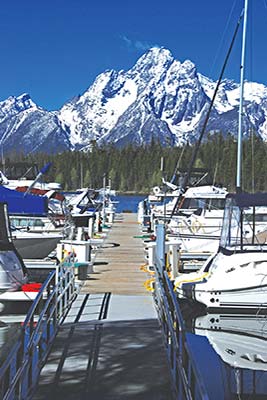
x=186, y=377
x=20, y=371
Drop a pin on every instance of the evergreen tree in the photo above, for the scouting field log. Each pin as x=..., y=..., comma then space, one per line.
x=137, y=168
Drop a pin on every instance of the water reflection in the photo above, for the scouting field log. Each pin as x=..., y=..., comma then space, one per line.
x=10, y=329
x=240, y=340
x=231, y=352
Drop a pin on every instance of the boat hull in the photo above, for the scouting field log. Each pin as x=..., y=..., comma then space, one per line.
x=36, y=247
x=244, y=299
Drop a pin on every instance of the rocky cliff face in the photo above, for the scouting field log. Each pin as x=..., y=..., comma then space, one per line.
x=159, y=98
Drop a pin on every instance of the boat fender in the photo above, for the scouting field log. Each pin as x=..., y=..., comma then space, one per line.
x=156, y=190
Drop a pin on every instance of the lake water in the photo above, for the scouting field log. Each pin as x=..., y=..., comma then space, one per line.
x=128, y=203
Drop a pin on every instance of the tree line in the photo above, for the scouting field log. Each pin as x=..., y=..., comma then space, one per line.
x=137, y=169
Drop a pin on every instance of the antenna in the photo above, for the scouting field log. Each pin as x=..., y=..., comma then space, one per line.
x=240, y=116
x=164, y=188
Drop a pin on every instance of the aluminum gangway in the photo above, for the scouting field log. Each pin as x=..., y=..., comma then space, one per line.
x=20, y=372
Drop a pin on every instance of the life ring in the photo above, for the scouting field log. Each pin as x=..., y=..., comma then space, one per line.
x=156, y=190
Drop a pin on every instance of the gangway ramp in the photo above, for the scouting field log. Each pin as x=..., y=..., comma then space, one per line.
x=110, y=345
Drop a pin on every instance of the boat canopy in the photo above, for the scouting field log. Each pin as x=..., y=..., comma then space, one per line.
x=244, y=199
x=245, y=222
x=21, y=203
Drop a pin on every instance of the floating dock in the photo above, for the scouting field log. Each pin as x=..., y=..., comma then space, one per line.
x=110, y=345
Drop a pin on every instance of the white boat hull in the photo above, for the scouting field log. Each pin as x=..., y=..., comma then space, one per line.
x=238, y=281
x=245, y=299
x=36, y=246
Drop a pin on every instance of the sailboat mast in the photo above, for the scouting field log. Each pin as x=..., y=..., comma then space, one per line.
x=240, y=116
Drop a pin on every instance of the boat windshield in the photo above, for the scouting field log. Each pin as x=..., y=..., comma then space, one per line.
x=244, y=224
x=203, y=203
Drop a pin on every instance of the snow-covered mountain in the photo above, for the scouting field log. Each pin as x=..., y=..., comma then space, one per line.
x=159, y=98
x=25, y=127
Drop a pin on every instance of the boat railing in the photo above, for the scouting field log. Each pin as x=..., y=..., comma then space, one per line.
x=185, y=375
x=19, y=373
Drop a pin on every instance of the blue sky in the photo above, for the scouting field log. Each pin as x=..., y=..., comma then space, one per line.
x=54, y=49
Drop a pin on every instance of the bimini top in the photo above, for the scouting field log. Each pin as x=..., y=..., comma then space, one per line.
x=244, y=225
x=21, y=203
x=244, y=199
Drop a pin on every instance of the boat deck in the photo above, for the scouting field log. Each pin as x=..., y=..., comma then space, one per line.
x=110, y=345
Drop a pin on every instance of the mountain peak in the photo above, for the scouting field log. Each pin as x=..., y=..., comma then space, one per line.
x=155, y=55
x=14, y=105
x=189, y=65
x=159, y=98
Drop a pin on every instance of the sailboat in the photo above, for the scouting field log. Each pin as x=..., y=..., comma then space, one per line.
x=235, y=277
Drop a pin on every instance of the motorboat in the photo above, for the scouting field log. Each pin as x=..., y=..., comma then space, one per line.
x=89, y=203
x=198, y=214
x=235, y=277
x=35, y=245
x=82, y=205
x=33, y=204
x=197, y=223
x=53, y=217
x=158, y=204
x=194, y=229
x=199, y=211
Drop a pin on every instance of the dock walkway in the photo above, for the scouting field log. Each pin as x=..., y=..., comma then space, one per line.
x=110, y=346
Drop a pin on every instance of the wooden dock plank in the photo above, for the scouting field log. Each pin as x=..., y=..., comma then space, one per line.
x=117, y=265
x=110, y=346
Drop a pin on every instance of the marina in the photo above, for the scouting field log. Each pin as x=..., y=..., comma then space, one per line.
x=124, y=333
x=118, y=336
x=154, y=296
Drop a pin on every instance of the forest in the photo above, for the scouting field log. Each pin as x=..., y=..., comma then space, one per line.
x=137, y=169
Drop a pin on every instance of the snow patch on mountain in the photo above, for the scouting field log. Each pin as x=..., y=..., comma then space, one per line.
x=100, y=107
x=159, y=98
x=15, y=105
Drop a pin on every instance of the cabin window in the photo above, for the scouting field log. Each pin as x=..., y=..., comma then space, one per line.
x=244, y=228
x=195, y=203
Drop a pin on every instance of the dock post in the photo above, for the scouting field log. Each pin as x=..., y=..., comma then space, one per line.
x=91, y=227
x=160, y=247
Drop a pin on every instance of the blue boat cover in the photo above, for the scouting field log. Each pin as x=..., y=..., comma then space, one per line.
x=20, y=203
x=244, y=199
